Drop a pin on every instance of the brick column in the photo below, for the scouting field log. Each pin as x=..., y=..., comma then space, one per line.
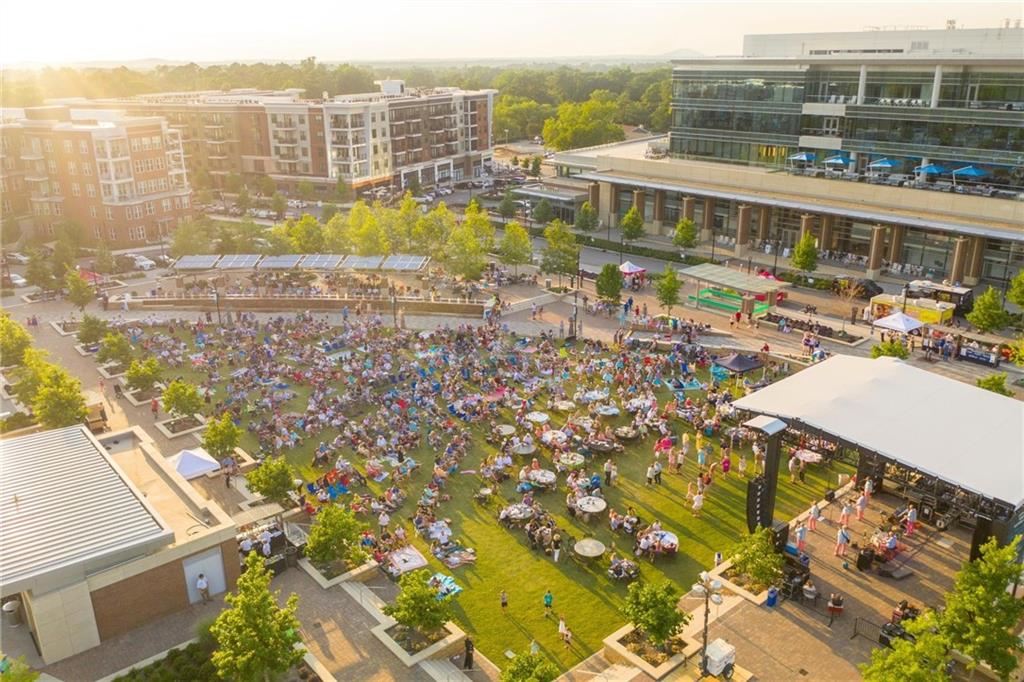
x=806, y=224
x=613, y=206
x=687, y=207
x=827, y=223
x=764, y=223
x=896, y=243
x=594, y=194
x=707, y=228
x=640, y=201
x=956, y=270
x=973, y=272
x=659, y=208
x=743, y=230
x=874, y=268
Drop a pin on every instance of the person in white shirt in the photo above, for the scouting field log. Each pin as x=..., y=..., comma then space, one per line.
x=383, y=520
x=203, y=587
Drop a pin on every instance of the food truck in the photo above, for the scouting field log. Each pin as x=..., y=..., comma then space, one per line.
x=961, y=297
x=926, y=310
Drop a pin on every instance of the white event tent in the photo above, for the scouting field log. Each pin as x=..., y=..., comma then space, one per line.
x=899, y=322
x=194, y=462
x=942, y=427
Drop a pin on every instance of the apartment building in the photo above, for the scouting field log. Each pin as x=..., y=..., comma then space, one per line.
x=385, y=138
x=902, y=149
x=121, y=178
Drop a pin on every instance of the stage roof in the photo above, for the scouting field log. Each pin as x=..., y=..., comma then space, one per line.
x=951, y=430
x=733, y=279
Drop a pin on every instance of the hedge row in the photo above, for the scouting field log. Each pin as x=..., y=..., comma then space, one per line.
x=632, y=249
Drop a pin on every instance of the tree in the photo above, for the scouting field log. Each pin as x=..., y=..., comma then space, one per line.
x=233, y=183
x=805, y=254
x=561, y=255
x=34, y=369
x=921, y=660
x=369, y=238
x=192, y=238
x=221, y=436
x=417, y=606
x=609, y=282
x=463, y=253
x=507, y=207
x=204, y=197
x=892, y=348
x=335, y=536
x=91, y=329
x=431, y=232
x=583, y=124
x=306, y=235
x=413, y=186
x=14, y=341
x=62, y=259
x=515, y=162
x=543, y=212
x=104, y=262
x=273, y=479
x=586, y=218
x=981, y=614
x=995, y=383
x=988, y=314
x=267, y=186
x=685, y=235
x=667, y=288
x=19, y=670
x=478, y=220
x=306, y=190
x=142, y=375
x=1016, y=291
x=654, y=609
x=328, y=212
x=535, y=167
x=278, y=204
x=59, y=401
x=632, y=225
x=755, y=557
x=38, y=272
x=243, y=201
x=115, y=348
x=182, y=399
x=255, y=637
x=516, y=248
x=342, y=192
x=80, y=292
x=527, y=667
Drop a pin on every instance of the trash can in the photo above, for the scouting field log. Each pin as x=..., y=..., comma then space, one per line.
x=291, y=556
x=773, y=597
x=12, y=612
x=547, y=283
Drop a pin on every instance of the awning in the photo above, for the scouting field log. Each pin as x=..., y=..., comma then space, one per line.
x=884, y=163
x=837, y=161
x=194, y=463
x=803, y=156
x=732, y=279
x=899, y=322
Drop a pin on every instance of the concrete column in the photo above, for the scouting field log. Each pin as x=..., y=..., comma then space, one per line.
x=743, y=230
x=764, y=223
x=609, y=204
x=956, y=270
x=827, y=223
x=687, y=207
x=594, y=195
x=659, y=212
x=708, y=227
x=862, y=83
x=973, y=273
x=640, y=201
x=896, y=243
x=806, y=224
x=875, y=254
x=936, y=86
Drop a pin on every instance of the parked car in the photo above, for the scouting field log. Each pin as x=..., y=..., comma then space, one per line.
x=19, y=258
x=865, y=288
x=15, y=280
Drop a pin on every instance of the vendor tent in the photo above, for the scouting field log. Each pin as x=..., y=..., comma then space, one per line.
x=194, y=463
x=739, y=364
x=899, y=322
x=628, y=268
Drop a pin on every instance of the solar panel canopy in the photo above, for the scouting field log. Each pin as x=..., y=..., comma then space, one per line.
x=404, y=263
x=285, y=262
x=238, y=261
x=363, y=262
x=322, y=261
x=196, y=262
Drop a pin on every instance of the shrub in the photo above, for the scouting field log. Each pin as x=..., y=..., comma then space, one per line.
x=756, y=558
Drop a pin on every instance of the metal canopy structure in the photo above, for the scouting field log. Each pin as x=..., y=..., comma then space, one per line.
x=322, y=261
x=196, y=262
x=363, y=262
x=732, y=279
x=286, y=262
x=403, y=263
x=238, y=261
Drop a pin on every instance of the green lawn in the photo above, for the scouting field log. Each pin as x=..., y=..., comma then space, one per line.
x=588, y=599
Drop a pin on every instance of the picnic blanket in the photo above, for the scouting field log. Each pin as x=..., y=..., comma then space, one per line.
x=404, y=560
x=445, y=585
x=454, y=555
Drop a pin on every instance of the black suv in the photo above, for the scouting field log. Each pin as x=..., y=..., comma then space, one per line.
x=866, y=289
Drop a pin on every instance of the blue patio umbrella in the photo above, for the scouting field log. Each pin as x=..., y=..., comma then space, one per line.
x=837, y=160
x=932, y=169
x=971, y=172
x=803, y=156
x=884, y=164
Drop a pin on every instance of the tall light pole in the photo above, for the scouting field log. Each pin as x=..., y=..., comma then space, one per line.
x=711, y=590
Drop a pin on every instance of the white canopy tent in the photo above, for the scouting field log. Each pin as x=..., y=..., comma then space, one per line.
x=942, y=427
x=194, y=462
x=629, y=268
x=899, y=322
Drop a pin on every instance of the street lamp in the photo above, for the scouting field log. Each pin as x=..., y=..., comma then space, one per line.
x=711, y=590
x=776, y=247
x=506, y=137
x=394, y=305
x=906, y=290
x=216, y=301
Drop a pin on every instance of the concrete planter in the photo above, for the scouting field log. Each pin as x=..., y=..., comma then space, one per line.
x=107, y=374
x=447, y=646
x=160, y=426
x=60, y=330
x=83, y=351
x=719, y=572
x=616, y=652
x=130, y=396
x=362, y=573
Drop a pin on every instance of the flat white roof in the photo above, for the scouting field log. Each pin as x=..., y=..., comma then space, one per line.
x=951, y=430
x=65, y=504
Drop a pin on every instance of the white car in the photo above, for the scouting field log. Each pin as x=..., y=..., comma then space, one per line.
x=18, y=281
x=19, y=258
x=143, y=263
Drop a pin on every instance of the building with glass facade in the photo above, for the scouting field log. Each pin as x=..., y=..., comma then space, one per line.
x=902, y=149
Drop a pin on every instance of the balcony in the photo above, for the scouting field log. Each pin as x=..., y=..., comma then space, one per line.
x=32, y=155
x=213, y=126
